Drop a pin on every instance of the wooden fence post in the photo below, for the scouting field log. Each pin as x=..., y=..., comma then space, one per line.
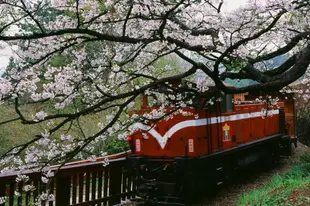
x=63, y=191
x=115, y=183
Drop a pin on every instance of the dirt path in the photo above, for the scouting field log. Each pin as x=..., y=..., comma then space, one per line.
x=230, y=194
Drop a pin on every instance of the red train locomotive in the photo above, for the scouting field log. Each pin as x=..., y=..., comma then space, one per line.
x=176, y=157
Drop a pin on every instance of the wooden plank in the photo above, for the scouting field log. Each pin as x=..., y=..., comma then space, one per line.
x=20, y=190
x=36, y=192
x=124, y=182
x=63, y=191
x=129, y=185
x=106, y=182
x=52, y=186
x=115, y=183
x=87, y=185
x=81, y=187
x=11, y=194
x=134, y=185
x=42, y=188
x=74, y=189
x=98, y=201
x=27, y=199
x=99, y=184
x=93, y=185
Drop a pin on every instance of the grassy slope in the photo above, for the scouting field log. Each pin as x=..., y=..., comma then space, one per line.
x=16, y=133
x=13, y=133
x=291, y=188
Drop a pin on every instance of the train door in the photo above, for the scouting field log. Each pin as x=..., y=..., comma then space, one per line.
x=290, y=116
x=213, y=115
x=240, y=124
x=208, y=129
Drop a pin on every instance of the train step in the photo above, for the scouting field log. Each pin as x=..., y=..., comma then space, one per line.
x=169, y=200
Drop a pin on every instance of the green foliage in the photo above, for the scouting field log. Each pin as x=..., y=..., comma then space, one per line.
x=111, y=146
x=72, y=14
x=279, y=189
x=234, y=65
x=71, y=2
x=304, y=157
x=302, y=170
x=166, y=66
x=303, y=125
x=103, y=7
x=303, y=116
x=46, y=15
x=60, y=61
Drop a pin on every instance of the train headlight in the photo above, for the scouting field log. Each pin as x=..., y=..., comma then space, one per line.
x=131, y=145
x=129, y=138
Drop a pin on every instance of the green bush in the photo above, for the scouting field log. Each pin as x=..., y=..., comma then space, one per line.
x=303, y=117
x=303, y=126
x=111, y=146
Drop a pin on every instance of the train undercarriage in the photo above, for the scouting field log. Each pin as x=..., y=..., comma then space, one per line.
x=181, y=180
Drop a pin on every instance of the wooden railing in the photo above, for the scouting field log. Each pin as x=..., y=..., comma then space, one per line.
x=76, y=184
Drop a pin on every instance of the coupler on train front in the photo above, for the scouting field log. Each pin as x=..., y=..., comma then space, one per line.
x=165, y=181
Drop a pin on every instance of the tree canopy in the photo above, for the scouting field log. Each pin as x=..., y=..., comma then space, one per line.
x=80, y=58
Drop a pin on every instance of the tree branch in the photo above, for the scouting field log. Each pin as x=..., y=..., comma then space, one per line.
x=100, y=36
x=277, y=82
x=245, y=40
x=294, y=41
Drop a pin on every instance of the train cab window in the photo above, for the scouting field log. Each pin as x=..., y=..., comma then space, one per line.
x=230, y=104
x=227, y=104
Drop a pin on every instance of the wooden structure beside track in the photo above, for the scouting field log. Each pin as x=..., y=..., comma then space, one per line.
x=76, y=184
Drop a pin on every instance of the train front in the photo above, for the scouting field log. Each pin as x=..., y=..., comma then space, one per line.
x=165, y=152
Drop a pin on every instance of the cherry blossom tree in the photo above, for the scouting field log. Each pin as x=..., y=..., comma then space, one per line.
x=96, y=57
